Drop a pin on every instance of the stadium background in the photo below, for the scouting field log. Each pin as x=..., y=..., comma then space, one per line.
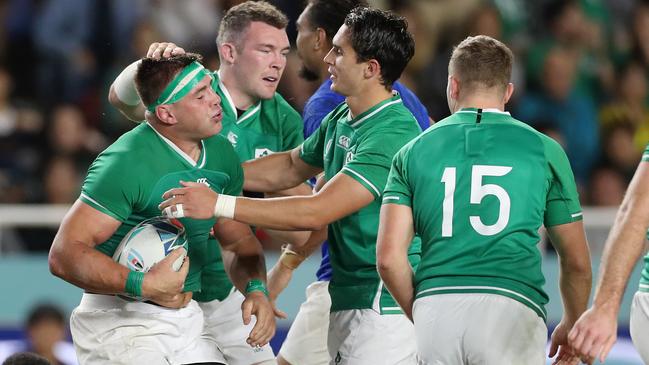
x=580, y=76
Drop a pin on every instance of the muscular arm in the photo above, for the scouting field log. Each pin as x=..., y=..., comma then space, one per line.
x=338, y=198
x=74, y=259
x=134, y=113
x=574, y=265
x=244, y=252
x=575, y=280
x=276, y=172
x=596, y=331
x=395, y=235
x=244, y=261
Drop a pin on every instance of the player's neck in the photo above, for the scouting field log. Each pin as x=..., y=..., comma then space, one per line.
x=190, y=147
x=480, y=103
x=363, y=101
x=241, y=100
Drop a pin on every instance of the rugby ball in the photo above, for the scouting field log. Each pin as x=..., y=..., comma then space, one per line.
x=149, y=242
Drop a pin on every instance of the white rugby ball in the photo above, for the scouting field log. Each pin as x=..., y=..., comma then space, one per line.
x=149, y=242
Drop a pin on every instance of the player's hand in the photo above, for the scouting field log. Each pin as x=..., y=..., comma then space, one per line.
x=559, y=343
x=258, y=305
x=163, y=285
x=594, y=334
x=164, y=50
x=193, y=200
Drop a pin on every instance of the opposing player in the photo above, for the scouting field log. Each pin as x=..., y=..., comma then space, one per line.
x=476, y=187
x=306, y=342
x=354, y=146
x=122, y=188
x=596, y=331
x=252, y=44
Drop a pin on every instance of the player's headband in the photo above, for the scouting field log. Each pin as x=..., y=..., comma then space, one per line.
x=181, y=85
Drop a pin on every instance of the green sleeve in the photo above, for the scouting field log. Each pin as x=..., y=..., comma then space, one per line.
x=235, y=186
x=292, y=135
x=109, y=187
x=371, y=162
x=645, y=155
x=313, y=148
x=562, y=202
x=397, y=189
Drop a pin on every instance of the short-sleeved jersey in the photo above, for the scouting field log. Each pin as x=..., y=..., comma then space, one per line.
x=127, y=181
x=361, y=148
x=321, y=103
x=269, y=126
x=480, y=184
x=644, y=280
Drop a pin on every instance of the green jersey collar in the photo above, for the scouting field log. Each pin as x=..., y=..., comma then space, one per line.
x=201, y=159
x=356, y=122
x=233, y=109
x=488, y=110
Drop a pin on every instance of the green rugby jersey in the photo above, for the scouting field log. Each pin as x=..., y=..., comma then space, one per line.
x=644, y=280
x=480, y=185
x=361, y=148
x=127, y=181
x=269, y=126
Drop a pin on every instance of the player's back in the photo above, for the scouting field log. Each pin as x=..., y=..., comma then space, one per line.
x=480, y=183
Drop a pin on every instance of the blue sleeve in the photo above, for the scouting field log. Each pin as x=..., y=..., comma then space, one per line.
x=412, y=102
x=316, y=109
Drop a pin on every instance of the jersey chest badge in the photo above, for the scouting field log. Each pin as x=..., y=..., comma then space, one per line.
x=232, y=138
x=261, y=152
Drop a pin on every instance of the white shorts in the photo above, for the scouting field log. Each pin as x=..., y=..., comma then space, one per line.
x=477, y=328
x=639, y=324
x=109, y=330
x=363, y=336
x=225, y=331
x=306, y=342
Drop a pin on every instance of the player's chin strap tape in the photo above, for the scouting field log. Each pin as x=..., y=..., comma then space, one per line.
x=224, y=206
x=181, y=85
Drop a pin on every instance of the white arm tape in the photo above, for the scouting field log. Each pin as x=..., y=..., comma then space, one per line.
x=124, y=85
x=224, y=206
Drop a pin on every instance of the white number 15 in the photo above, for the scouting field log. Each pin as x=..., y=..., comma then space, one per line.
x=478, y=192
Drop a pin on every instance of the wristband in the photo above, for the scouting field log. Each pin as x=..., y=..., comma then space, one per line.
x=290, y=259
x=134, y=283
x=224, y=206
x=256, y=285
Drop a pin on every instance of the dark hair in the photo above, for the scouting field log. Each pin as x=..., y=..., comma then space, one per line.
x=154, y=75
x=383, y=36
x=238, y=18
x=330, y=14
x=26, y=358
x=482, y=61
x=45, y=312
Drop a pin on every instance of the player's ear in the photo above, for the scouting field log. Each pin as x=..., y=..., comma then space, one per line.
x=372, y=69
x=321, y=41
x=508, y=92
x=165, y=114
x=228, y=52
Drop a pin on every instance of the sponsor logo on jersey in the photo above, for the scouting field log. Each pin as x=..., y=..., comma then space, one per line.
x=203, y=180
x=326, y=151
x=261, y=152
x=349, y=156
x=232, y=138
x=343, y=142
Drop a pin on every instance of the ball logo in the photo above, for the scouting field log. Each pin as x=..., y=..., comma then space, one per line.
x=135, y=261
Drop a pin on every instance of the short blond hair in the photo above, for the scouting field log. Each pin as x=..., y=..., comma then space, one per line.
x=482, y=62
x=238, y=19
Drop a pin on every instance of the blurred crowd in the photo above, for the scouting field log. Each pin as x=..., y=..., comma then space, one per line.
x=580, y=77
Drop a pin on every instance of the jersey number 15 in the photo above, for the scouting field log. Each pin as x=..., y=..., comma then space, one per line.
x=478, y=192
